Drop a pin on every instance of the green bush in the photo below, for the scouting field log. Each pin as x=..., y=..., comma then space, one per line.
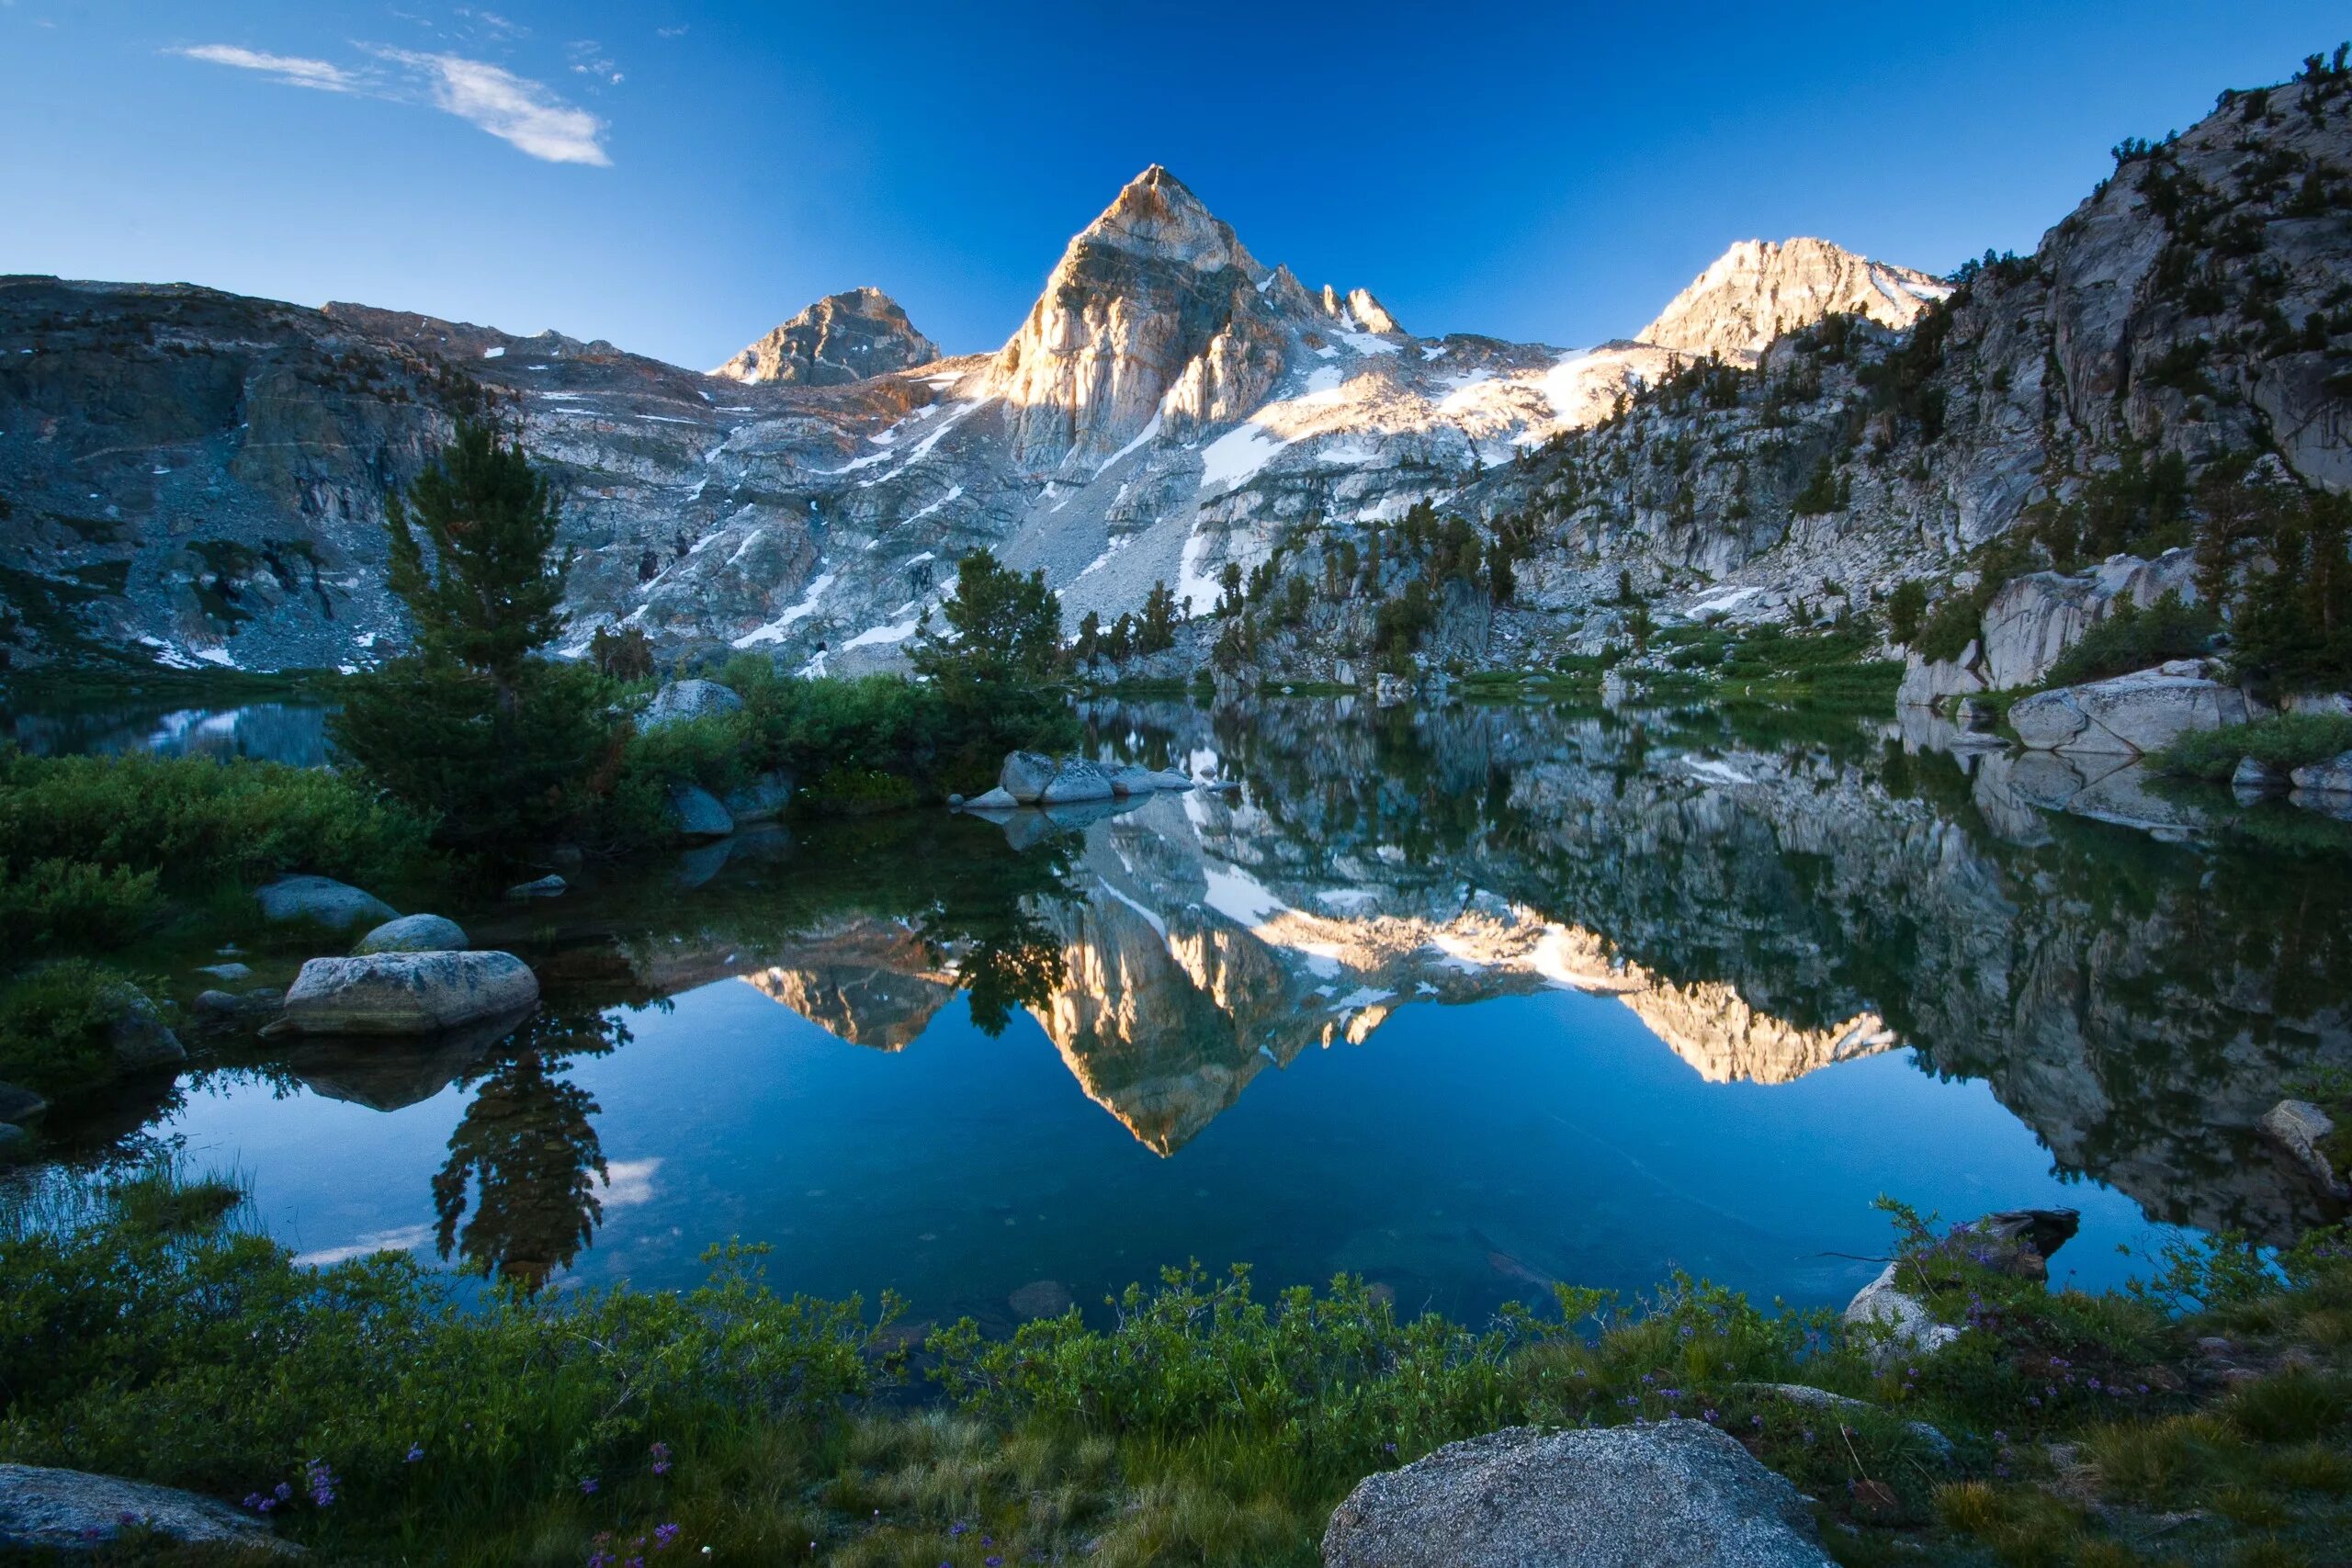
x=63, y=903
x=2284, y=741
x=1949, y=628
x=2131, y=639
x=192, y=824
x=55, y=1025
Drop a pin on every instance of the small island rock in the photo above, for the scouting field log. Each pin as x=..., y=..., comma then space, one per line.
x=1025, y=775
x=407, y=993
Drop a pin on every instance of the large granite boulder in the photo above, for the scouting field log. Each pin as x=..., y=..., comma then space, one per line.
x=697, y=816
x=414, y=934
x=680, y=702
x=407, y=993
x=323, y=901
x=2130, y=714
x=46, y=1511
x=1675, y=1494
x=1076, y=780
x=1025, y=775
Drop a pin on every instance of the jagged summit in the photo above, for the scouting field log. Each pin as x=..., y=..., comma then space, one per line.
x=1155, y=214
x=1758, y=290
x=841, y=338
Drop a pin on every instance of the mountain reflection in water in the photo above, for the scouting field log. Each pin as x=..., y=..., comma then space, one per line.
x=1775, y=900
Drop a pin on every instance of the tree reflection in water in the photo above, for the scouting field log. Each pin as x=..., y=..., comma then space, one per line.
x=527, y=1155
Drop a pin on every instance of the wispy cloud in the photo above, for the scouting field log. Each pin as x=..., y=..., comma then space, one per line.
x=522, y=113
x=515, y=109
x=290, y=69
x=589, y=59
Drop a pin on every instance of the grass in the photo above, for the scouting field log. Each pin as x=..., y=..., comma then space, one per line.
x=2282, y=742
x=143, y=1330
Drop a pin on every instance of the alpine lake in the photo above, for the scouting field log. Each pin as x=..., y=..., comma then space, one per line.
x=1464, y=999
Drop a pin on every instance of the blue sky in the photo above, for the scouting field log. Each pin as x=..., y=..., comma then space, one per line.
x=678, y=177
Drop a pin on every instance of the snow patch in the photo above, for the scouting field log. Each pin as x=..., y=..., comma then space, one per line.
x=1709, y=771
x=1237, y=453
x=801, y=609
x=498, y=353
x=1238, y=895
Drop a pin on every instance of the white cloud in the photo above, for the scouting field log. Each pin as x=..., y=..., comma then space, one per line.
x=292, y=70
x=627, y=1181
x=407, y=1238
x=514, y=108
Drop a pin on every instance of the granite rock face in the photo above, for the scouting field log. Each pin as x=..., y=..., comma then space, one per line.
x=1758, y=291
x=840, y=339
x=680, y=702
x=1675, y=1494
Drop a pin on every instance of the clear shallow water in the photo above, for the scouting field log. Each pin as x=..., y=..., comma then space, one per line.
x=1462, y=1002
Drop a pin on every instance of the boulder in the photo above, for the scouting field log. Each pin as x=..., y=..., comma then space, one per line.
x=138, y=1036
x=20, y=1104
x=1839, y=1403
x=1076, y=779
x=548, y=886
x=1391, y=691
x=682, y=701
x=2131, y=714
x=1171, y=778
x=2014, y=1241
x=323, y=901
x=2255, y=777
x=226, y=971
x=2331, y=777
x=1025, y=775
x=1675, y=1494
x=997, y=799
x=407, y=993
x=761, y=800
x=697, y=816
x=414, y=934
x=2301, y=1128
x=72, y=1510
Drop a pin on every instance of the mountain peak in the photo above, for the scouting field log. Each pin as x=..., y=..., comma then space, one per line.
x=841, y=338
x=1156, y=215
x=1758, y=289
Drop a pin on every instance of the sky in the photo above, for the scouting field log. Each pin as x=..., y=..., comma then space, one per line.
x=678, y=177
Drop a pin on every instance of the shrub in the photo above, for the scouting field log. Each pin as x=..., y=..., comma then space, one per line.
x=2131, y=639
x=64, y=903
x=2283, y=741
x=1907, y=607
x=1947, y=632
x=191, y=824
x=55, y=1024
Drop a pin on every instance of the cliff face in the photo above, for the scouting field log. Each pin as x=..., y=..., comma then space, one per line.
x=1758, y=291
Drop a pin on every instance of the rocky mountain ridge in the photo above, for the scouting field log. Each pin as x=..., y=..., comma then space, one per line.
x=196, y=477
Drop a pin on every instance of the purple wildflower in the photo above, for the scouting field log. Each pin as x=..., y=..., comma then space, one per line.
x=664, y=1536
x=660, y=1459
x=415, y=1452
x=587, y=1486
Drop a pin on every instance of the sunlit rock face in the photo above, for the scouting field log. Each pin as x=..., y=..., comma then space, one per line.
x=840, y=338
x=1758, y=290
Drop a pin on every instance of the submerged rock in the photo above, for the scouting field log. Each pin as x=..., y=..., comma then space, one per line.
x=548, y=886
x=72, y=1510
x=1675, y=1494
x=20, y=1104
x=680, y=702
x=414, y=934
x=407, y=993
x=226, y=1009
x=338, y=905
x=13, y=1141
x=997, y=799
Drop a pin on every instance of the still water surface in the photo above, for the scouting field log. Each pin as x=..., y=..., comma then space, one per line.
x=1462, y=1001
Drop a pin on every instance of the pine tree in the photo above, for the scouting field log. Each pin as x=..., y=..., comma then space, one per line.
x=471, y=725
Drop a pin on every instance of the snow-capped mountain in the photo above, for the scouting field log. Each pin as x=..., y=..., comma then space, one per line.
x=201, y=476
